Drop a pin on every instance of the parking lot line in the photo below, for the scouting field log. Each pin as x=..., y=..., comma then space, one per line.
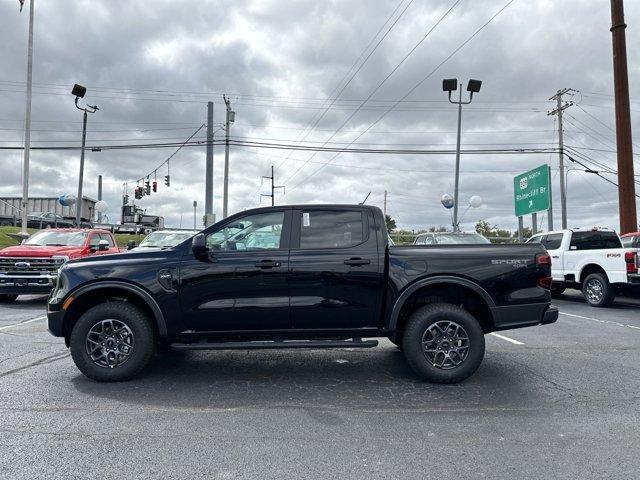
x=610, y=322
x=515, y=342
x=31, y=320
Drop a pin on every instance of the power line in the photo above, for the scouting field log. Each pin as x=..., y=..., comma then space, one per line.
x=384, y=80
x=415, y=87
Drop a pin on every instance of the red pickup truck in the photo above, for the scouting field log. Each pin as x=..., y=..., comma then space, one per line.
x=31, y=268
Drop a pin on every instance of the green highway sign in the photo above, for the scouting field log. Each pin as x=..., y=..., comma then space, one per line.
x=531, y=191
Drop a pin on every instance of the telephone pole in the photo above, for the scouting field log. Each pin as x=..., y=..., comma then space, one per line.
x=558, y=111
x=208, y=179
x=384, y=209
x=231, y=116
x=273, y=188
x=626, y=187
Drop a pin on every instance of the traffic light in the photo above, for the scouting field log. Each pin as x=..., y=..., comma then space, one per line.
x=147, y=187
x=136, y=193
x=154, y=186
x=167, y=180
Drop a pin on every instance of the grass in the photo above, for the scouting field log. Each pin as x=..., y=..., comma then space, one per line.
x=7, y=241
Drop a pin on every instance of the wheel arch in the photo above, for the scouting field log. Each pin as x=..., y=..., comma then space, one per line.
x=590, y=268
x=94, y=294
x=458, y=290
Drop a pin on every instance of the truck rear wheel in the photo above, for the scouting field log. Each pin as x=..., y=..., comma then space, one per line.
x=4, y=298
x=443, y=343
x=557, y=290
x=597, y=290
x=112, y=342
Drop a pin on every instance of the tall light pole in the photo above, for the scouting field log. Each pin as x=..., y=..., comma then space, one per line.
x=79, y=91
x=451, y=85
x=27, y=126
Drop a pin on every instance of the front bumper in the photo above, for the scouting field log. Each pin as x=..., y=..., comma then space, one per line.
x=519, y=316
x=55, y=322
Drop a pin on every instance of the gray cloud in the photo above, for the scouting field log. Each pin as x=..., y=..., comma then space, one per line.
x=276, y=59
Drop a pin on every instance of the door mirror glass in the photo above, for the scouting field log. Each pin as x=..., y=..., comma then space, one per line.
x=199, y=247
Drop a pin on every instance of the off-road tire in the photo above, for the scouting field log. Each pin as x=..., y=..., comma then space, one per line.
x=418, y=324
x=6, y=298
x=143, y=336
x=557, y=290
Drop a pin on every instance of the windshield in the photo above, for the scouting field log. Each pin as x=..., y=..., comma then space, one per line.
x=460, y=238
x=57, y=238
x=164, y=239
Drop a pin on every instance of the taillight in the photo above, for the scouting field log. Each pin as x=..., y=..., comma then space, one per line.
x=543, y=262
x=543, y=259
x=631, y=259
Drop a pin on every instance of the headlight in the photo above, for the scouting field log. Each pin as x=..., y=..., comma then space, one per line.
x=60, y=259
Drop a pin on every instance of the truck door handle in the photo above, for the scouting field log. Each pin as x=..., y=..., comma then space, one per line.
x=267, y=264
x=357, y=262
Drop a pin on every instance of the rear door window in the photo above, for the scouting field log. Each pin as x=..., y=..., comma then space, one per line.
x=331, y=229
x=594, y=240
x=552, y=241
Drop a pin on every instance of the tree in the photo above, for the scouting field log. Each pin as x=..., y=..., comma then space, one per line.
x=391, y=223
x=492, y=232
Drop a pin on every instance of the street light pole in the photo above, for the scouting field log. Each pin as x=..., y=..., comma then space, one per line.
x=79, y=91
x=456, y=227
x=27, y=127
x=451, y=85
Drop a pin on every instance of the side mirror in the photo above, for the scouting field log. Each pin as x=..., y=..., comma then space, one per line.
x=199, y=247
x=131, y=244
x=103, y=245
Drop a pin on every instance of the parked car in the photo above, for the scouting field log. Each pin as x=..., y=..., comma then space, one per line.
x=450, y=238
x=164, y=239
x=299, y=277
x=31, y=268
x=593, y=261
x=631, y=240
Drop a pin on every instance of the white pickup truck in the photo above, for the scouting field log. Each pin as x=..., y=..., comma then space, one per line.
x=593, y=261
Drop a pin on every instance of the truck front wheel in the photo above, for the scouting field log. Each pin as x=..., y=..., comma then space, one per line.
x=597, y=290
x=443, y=343
x=112, y=342
x=4, y=298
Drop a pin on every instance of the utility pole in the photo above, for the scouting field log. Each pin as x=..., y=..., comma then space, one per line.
x=208, y=181
x=385, y=204
x=195, y=214
x=99, y=196
x=558, y=111
x=273, y=188
x=27, y=126
x=230, y=118
x=626, y=187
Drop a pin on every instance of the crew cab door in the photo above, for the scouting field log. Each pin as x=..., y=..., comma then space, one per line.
x=336, y=276
x=242, y=281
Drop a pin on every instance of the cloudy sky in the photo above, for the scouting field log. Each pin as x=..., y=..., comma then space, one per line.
x=318, y=73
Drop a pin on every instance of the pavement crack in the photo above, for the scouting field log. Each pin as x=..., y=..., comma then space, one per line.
x=42, y=361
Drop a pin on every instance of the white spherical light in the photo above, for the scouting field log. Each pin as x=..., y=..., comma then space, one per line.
x=101, y=206
x=475, y=201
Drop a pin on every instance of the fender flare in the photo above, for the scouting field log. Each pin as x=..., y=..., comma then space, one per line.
x=407, y=292
x=136, y=290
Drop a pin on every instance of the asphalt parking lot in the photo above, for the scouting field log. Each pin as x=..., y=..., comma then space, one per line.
x=559, y=401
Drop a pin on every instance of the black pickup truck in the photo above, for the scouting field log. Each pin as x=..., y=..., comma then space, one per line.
x=321, y=276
